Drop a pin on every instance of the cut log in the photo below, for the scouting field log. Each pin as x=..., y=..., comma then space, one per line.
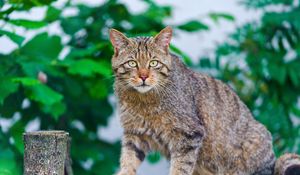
x=46, y=153
x=288, y=164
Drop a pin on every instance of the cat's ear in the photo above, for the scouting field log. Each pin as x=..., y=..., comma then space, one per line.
x=163, y=38
x=118, y=40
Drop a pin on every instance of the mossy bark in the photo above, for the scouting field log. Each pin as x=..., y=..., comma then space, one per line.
x=46, y=152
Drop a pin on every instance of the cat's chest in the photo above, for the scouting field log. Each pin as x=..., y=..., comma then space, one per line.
x=150, y=122
x=144, y=120
x=164, y=117
x=148, y=111
x=155, y=130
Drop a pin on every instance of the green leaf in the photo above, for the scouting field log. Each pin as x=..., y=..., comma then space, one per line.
x=31, y=68
x=205, y=62
x=1, y=3
x=29, y=24
x=44, y=95
x=7, y=87
x=56, y=109
x=294, y=78
x=27, y=4
x=296, y=110
x=87, y=67
x=118, y=12
x=16, y=132
x=193, y=26
x=52, y=14
x=5, y=170
x=99, y=90
x=278, y=72
x=71, y=25
x=7, y=162
x=43, y=46
x=217, y=16
x=85, y=10
x=26, y=81
x=86, y=52
x=153, y=157
x=14, y=37
x=265, y=3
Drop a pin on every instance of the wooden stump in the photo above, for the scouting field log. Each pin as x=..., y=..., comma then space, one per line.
x=288, y=164
x=46, y=153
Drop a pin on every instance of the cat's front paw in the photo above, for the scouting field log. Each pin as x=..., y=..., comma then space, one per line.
x=125, y=172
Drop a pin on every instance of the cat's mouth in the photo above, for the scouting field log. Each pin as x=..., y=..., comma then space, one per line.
x=143, y=88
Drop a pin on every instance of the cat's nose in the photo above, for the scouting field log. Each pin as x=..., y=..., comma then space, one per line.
x=144, y=77
x=143, y=74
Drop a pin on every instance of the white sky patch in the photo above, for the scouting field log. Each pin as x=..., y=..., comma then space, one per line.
x=25, y=103
x=33, y=125
x=8, y=46
x=78, y=125
x=64, y=53
x=34, y=14
x=6, y=123
x=87, y=164
x=70, y=11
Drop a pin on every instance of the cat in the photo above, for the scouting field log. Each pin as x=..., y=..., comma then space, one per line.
x=194, y=120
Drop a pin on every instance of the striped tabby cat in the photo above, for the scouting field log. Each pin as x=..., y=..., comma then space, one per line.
x=196, y=121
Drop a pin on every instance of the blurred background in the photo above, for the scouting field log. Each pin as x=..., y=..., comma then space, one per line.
x=55, y=71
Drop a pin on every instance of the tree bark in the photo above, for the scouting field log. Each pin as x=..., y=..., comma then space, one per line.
x=47, y=153
x=288, y=164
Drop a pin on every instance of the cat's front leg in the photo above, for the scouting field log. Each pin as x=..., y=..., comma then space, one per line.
x=184, y=163
x=185, y=155
x=133, y=153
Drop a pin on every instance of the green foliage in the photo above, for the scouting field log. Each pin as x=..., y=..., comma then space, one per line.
x=28, y=23
x=7, y=164
x=218, y=16
x=153, y=157
x=40, y=81
x=193, y=26
x=262, y=62
x=7, y=87
x=88, y=68
x=265, y=3
x=14, y=37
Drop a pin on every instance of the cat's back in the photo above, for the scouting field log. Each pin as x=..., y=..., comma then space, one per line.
x=231, y=130
x=216, y=102
x=223, y=113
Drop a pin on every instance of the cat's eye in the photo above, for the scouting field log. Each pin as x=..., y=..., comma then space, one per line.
x=153, y=63
x=132, y=63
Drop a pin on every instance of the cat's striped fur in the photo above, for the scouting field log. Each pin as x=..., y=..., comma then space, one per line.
x=196, y=121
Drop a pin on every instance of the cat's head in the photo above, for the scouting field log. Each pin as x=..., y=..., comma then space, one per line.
x=141, y=63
